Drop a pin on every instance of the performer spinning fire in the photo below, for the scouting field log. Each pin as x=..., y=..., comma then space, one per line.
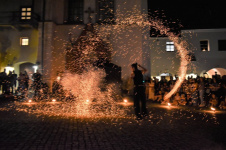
x=139, y=91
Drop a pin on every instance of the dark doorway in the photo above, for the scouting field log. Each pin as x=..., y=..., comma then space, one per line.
x=28, y=67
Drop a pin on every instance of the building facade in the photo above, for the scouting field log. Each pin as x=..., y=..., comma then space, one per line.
x=49, y=27
x=207, y=47
x=36, y=34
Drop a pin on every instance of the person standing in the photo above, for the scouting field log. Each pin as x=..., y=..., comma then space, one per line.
x=201, y=88
x=10, y=82
x=26, y=80
x=194, y=93
x=14, y=81
x=37, y=83
x=151, y=90
x=20, y=83
x=4, y=81
x=139, y=91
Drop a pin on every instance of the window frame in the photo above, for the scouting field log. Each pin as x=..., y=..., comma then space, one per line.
x=208, y=45
x=79, y=9
x=170, y=47
x=112, y=18
x=22, y=42
x=219, y=44
x=24, y=13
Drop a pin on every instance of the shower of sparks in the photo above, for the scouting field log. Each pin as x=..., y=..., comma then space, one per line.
x=84, y=96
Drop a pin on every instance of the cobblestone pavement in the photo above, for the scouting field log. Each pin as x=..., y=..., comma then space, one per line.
x=175, y=128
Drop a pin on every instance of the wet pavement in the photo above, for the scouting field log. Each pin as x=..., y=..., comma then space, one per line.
x=175, y=127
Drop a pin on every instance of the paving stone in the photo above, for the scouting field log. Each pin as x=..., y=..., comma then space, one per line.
x=182, y=128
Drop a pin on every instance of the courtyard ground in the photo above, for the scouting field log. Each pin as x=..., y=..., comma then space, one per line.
x=165, y=128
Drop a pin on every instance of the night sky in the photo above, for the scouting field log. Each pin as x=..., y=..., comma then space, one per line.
x=197, y=14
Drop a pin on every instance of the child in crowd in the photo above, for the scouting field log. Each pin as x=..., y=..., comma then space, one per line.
x=189, y=99
x=223, y=104
x=159, y=97
x=182, y=100
x=213, y=100
x=176, y=99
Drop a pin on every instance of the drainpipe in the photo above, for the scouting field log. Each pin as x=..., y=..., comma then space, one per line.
x=43, y=29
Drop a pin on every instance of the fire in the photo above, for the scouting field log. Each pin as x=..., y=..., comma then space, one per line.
x=213, y=109
x=86, y=85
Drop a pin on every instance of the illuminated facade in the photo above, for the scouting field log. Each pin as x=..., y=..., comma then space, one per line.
x=34, y=34
x=37, y=32
x=207, y=46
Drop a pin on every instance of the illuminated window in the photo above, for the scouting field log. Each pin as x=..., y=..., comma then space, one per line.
x=24, y=41
x=170, y=46
x=204, y=45
x=25, y=13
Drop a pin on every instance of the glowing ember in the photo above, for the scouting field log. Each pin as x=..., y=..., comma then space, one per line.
x=29, y=101
x=169, y=104
x=58, y=78
x=53, y=100
x=87, y=100
x=125, y=100
x=212, y=108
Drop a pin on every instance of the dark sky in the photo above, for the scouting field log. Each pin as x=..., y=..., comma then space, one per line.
x=197, y=14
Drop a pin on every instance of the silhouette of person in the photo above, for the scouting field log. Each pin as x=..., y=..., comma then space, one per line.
x=139, y=91
x=37, y=82
x=4, y=81
x=14, y=80
x=10, y=79
x=26, y=80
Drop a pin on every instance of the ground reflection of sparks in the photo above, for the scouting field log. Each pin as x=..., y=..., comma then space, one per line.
x=70, y=109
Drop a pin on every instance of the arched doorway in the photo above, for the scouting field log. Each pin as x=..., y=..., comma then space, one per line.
x=28, y=67
x=219, y=71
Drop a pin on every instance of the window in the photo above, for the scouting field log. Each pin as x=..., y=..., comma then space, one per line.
x=24, y=41
x=169, y=46
x=25, y=13
x=75, y=11
x=204, y=45
x=222, y=45
x=106, y=11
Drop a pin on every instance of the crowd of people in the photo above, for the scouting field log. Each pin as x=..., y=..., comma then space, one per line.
x=198, y=91
x=8, y=83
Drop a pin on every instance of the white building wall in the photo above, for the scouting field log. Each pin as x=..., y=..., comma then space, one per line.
x=169, y=62
x=206, y=60
x=161, y=60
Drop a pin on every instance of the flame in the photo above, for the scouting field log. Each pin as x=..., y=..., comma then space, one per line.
x=212, y=108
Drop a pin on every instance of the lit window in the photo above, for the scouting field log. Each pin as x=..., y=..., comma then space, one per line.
x=24, y=41
x=25, y=13
x=169, y=46
x=204, y=45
